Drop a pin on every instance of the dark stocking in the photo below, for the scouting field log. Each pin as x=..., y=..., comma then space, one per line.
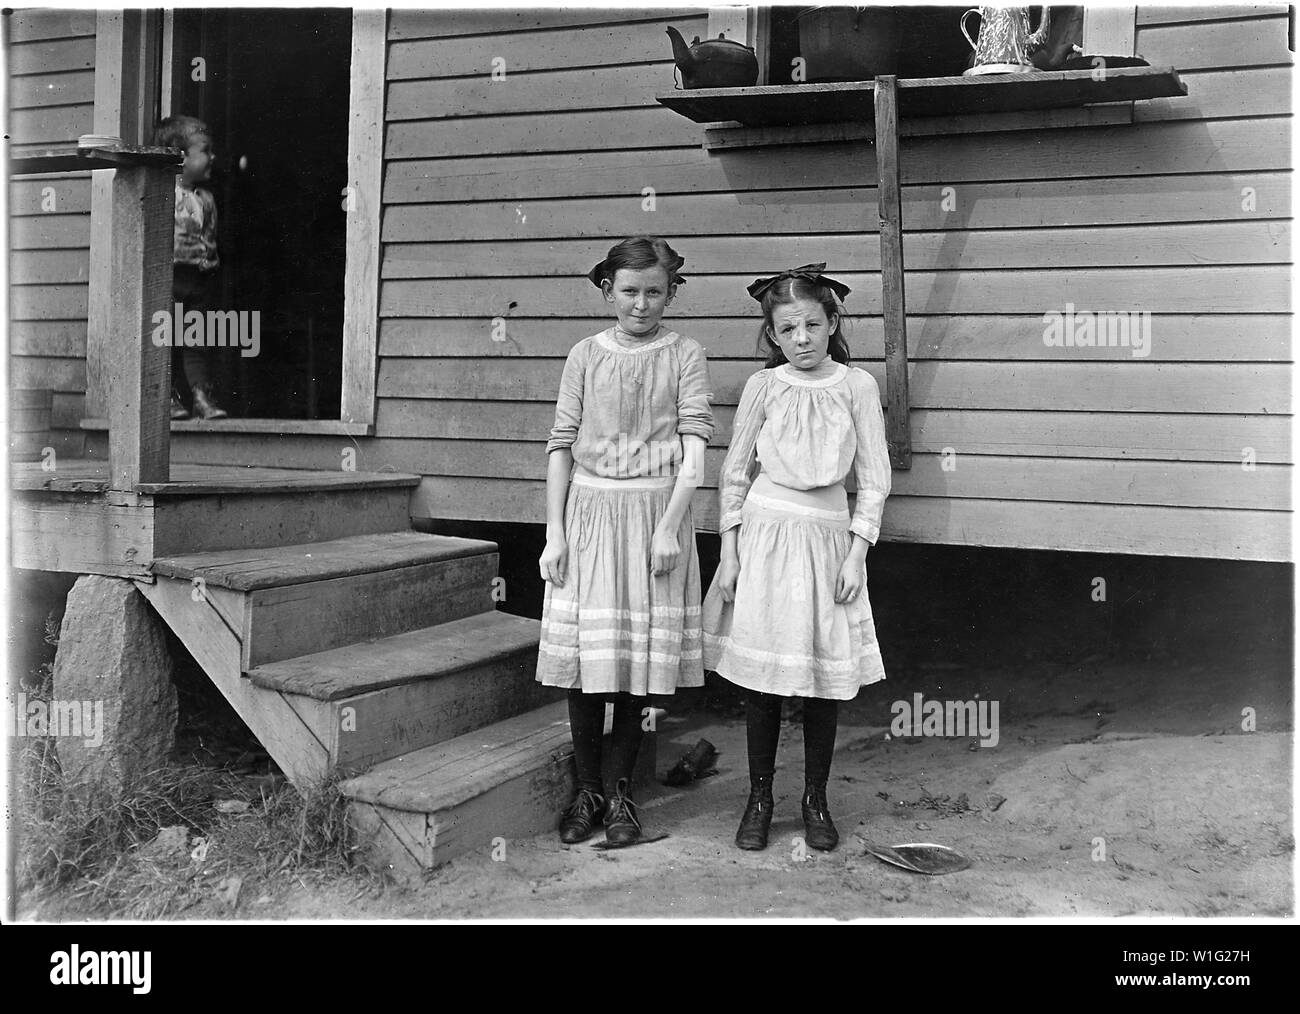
x=820, y=718
x=763, y=730
x=587, y=723
x=625, y=740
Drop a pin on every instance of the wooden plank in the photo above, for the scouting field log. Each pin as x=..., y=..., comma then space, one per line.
x=415, y=656
x=284, y=621
x=1263, y=92
x=1256, y=42
x=1109, y=31
x=48, y=302
x=762, y=105
x=70, y=88
x=1228, y=289
x=1175, y=337
x=1252, y=241
x=447, y=774
x=76, y=535
x=365, y=173
x=52, y=196
x=407, y=23
x=206, y=627
x=892, y=293
x=35, y=24
x=50, y=232
x=138, y=372
x=192, y=524
x=49, y=267
x=46, y=371
x=591, y=46
x=1158, y=14
x=733, y=135
x=1057, y=203
x=1092, y=528
x=1149, y=435
x=957, y=471
x=67, y=411
x=390, y=723
x=530, y=92
x=388, y=843
x=1158, y=149
x=1066, y=385
x=590, y=130
x=253, y=568
x=51, y=56
x=50, y=125
x=1024, y=524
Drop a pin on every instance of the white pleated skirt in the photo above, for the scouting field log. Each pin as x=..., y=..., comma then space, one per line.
x=613, y=625
x=785, y=634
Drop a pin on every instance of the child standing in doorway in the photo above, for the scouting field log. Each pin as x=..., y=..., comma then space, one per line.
x=787, y=614
x=195, y=260
x=621, y=616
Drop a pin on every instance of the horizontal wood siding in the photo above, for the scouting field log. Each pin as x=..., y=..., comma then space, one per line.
x=500, y=194
x=51, y=79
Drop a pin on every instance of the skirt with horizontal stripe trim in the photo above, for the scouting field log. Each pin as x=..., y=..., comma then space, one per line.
x=613, y=626
x=785, y=634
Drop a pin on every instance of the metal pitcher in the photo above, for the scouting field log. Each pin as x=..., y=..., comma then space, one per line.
x=1005, y=42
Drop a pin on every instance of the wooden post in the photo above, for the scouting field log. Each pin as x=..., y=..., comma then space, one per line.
x=138, y=372
x=893, y=304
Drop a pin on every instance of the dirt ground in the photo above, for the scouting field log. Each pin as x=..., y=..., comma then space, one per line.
x=1195, y=816
x=1123, y=782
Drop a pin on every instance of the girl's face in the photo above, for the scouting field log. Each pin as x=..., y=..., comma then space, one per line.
x=639, y=297
x=198, y=159
x=802, y=331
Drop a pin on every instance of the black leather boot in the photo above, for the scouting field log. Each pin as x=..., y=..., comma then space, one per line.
x=752, y=834
x=622, y=826
x=179, y=411
x=819, y=831
x=581, y=816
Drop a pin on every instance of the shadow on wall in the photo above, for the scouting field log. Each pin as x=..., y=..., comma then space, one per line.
x=985, y=607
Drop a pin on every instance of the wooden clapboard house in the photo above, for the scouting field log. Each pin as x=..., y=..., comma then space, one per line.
x=484, y=161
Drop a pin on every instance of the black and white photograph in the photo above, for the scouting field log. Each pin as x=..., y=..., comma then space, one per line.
x=651, y=464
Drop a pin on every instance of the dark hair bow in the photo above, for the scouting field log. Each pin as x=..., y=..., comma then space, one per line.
x=809, y=272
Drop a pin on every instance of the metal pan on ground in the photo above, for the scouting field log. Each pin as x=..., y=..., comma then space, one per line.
x=921, y=857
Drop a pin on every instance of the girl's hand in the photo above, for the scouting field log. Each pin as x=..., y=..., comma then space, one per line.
x=554, y=562
x=728, y=573
x=664, y=551
x=852, y=579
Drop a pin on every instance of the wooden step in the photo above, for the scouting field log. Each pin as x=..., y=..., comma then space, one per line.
x=308, y=598
x=386, y=697
x=503, y=782
x=279, y=566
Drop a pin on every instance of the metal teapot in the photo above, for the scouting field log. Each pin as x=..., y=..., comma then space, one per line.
x=714, y=63
x=1005, y=42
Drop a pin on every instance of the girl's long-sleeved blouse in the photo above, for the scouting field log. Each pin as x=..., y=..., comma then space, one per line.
x=623, y=411
x=806, y=434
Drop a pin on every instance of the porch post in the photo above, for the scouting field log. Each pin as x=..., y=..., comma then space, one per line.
x=893, y=304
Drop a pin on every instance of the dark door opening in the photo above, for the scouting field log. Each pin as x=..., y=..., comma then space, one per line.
x=273, y=86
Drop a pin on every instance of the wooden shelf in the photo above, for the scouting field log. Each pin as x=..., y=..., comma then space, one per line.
x=783, y=105
x=70, y=158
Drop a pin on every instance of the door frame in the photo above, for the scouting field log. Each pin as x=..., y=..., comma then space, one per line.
x=124, y=42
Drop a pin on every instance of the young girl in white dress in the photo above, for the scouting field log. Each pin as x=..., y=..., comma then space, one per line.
x=621, y=615
x=787, y=614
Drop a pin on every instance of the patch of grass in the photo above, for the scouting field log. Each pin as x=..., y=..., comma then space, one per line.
x=160, y=846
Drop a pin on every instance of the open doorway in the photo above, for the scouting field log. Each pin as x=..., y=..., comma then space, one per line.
x=273, y=87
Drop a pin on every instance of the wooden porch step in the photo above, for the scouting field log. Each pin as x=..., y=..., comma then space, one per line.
x=280, y=566
x=383, y=698
x=287, y=601
x=415, y=656
x=506, y=781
